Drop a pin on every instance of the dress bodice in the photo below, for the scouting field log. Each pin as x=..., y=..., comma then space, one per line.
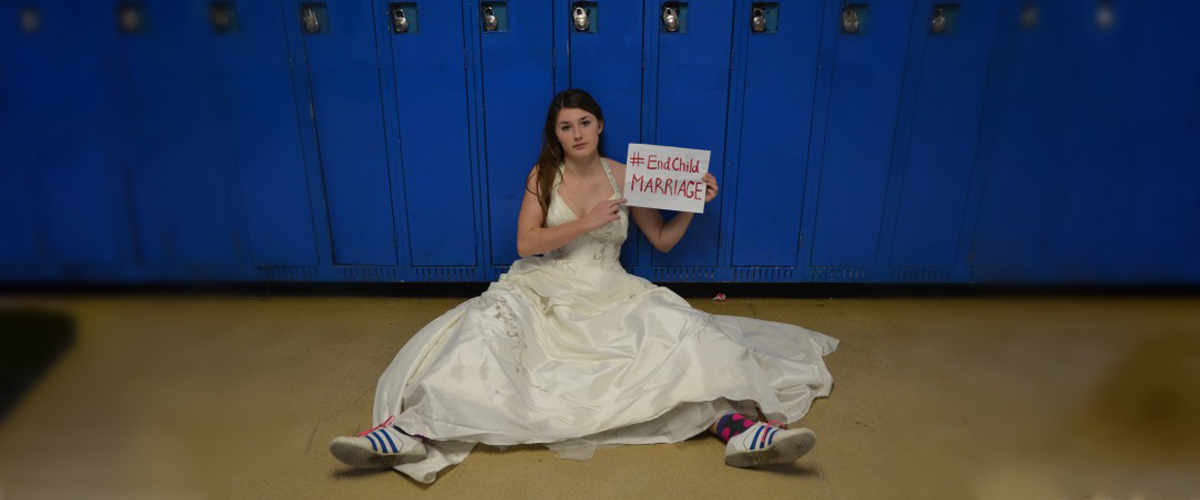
x=601, y=244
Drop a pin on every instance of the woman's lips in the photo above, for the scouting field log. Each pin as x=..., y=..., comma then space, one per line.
x=577, y=146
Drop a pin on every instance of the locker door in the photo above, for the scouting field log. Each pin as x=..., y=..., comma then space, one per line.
x=691, y=98
x=868, y=69
x=18, y=222
x=177, y=177
x=950, y=79
x=264, y=140
x=1030, y=77
x=85, y=218
x=1099, y=198
x=431, y=101
x=1165, y=237
x=780, y=81
x=605, y=60
x=344, y=74
x=518, y=83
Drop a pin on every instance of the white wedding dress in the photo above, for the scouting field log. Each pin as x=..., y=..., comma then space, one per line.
x=571, y=351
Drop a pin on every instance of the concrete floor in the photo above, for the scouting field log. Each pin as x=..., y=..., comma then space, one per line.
x=226, y=397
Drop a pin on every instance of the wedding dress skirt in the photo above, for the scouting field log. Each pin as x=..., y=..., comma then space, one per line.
x=571, y=351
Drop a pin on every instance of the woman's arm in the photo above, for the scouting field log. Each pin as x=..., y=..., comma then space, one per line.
x=533, y=239
x=662, y=235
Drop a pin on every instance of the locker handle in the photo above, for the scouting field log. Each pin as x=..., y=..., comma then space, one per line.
x=759, y=21
x=311, y=23
x=670, y=19
x=581, y=19
x=490, y=22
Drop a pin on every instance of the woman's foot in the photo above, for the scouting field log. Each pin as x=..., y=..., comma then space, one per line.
x=382, y=447
x=763, y=444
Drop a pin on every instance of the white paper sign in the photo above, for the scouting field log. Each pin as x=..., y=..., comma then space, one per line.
x=666, y=177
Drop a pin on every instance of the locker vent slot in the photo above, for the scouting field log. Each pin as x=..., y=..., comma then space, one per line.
x=841, y=274
x=684, y=274
x=763, y=274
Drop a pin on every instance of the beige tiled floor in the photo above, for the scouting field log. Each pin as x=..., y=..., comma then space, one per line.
x=934, y=398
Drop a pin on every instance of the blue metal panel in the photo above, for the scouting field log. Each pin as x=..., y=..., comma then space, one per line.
x=692, y=96
x=1100, y=160
x=605, y=62
x=18, y=220
x=343, y=71
x=264, y=137
x=177, y=177
x=868, y=69
x=1165, y=125
x=780, y=83
x=431, y=89
x=950, y=82
x=1030, y=75
x=518, y=83
x=85, y=225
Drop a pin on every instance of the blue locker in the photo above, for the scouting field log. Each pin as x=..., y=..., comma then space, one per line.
x=780, y=84
x=344, y=74
x=19, y=254
x=943, y=128
x=434, y=124
x=1099, y=197
x=1165, y=234
x=1031, y=75
x=78, y=183
x=605, y=60
x=518, y=82
x=264, y=142
x=690, y=96
x=868, y=68
x=177, y=176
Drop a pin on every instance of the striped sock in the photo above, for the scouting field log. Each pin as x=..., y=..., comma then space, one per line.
x=730, y=425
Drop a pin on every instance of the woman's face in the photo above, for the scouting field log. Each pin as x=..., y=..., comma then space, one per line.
x=579, y=132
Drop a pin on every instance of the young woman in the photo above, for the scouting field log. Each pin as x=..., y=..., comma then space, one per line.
x=569, y=350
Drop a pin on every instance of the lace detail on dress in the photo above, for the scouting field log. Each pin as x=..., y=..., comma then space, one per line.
x=493, y=305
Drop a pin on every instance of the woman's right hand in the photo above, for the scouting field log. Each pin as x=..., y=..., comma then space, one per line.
x=603, y=213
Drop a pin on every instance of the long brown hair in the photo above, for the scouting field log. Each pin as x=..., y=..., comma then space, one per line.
x=552, y=152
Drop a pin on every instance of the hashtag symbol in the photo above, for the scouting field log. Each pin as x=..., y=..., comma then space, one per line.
x=636, y=160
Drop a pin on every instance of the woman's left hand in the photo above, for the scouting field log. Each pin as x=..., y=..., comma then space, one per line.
x=710, y=187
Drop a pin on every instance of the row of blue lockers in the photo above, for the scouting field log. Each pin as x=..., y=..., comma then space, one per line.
x=923, y=141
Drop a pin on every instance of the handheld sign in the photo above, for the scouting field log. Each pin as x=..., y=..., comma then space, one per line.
x=666, y=177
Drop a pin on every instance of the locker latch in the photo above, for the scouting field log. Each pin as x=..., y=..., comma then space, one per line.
x=582, y=21
x=131, y=18
x=224, y=17
x=670, y=18
x=399, y=19
x=30, y=20
x=314, y=18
